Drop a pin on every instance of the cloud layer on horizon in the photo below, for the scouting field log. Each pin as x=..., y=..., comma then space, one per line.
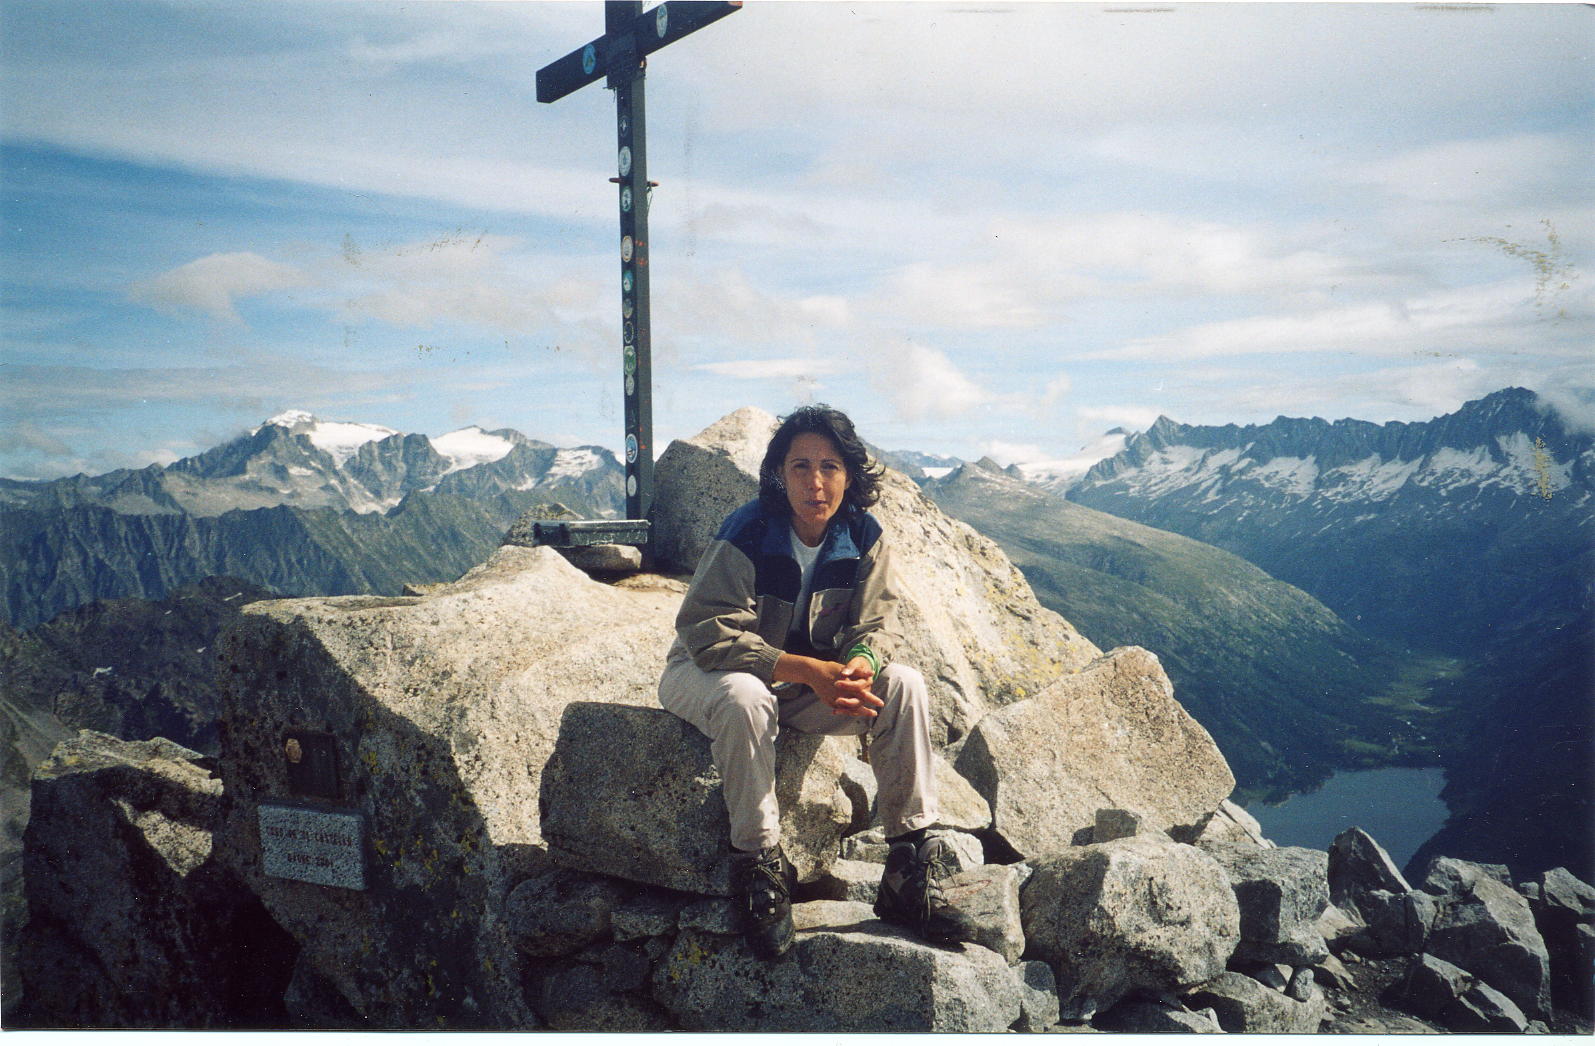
x=1272, y=209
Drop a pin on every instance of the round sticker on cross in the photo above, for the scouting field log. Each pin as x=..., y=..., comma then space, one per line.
x=625, y=248
x=589, y=60
x=631, y=448
x=662, y=20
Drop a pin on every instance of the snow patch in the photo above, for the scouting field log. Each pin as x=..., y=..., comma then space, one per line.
x=1178, y=458
x=941, y=471
x=340, y=439
x=1371, y=479
x=468, y=447
x=1292, y=475
x=1220, y=458
x=568, y=464
x=1531, y=468
x=1448, y=468
x=1170, y=470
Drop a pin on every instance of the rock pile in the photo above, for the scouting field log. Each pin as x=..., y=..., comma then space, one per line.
x=1487, y=956
x=539, y=845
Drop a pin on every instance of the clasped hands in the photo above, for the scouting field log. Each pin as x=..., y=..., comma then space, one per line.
x=845, y=688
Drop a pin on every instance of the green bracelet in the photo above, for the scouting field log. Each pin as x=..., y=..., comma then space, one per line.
x=860, y=650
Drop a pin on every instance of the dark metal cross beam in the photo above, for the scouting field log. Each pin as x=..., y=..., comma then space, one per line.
x=620, y=55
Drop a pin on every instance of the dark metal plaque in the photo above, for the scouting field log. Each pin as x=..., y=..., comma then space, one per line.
x=312, y=761
x=576, y=533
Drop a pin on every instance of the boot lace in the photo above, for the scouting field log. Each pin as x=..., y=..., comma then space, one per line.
x=766, y=887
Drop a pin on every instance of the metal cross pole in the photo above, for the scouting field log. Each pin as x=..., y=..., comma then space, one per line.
x=620, y=55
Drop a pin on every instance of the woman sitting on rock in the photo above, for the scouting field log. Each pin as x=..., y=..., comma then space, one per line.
x=790, y=622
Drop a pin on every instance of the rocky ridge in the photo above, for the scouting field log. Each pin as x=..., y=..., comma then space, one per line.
x=1150, y=902
x=1499, y=489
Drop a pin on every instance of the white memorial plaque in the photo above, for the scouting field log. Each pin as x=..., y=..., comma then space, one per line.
x=313, y=846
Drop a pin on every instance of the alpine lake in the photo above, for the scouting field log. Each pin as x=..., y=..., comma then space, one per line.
x=1399, y=806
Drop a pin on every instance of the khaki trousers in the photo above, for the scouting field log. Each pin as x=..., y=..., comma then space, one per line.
x=741, y=717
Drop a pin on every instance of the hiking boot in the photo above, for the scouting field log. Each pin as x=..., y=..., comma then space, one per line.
x=911, y=886
x=761, y=885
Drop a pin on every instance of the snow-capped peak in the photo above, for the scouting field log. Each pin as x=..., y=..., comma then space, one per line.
x=470, y=446
x=340, y=439
x=290, y=418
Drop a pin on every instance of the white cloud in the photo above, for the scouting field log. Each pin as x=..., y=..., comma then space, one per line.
x=790, y=369
x=214, y=283
x=1135, y=418
x=1146, y=253
x=1023, y=273
x=1005, y=454
x=463, y=277
x=24, y=435
x=1576, y=405
x=259, y=384
x=727, y=304
x=1042, y=468
x=1407, y=392
x=1487, y=170
x=961, y=296
x=1493, y=317
x=923, y=383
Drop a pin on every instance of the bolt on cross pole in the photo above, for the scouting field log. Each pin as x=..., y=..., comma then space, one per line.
x=620, y=56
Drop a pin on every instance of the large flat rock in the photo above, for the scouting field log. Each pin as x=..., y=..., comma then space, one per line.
x=441, y=711
x=1111, y=735
x=1138, y=914
x=1282, y=892
x=634, y=793
x=846, y=972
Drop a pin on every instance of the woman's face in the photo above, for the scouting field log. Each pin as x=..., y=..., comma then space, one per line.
x=816, y=478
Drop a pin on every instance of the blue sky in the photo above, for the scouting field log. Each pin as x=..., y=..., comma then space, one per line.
x=979, y=228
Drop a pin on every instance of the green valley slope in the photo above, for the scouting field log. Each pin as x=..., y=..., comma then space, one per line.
x=1288, y=690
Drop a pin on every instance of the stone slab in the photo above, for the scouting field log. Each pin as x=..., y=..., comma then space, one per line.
x=325, y=847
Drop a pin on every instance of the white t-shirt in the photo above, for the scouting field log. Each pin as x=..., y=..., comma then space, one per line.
x=806, y=558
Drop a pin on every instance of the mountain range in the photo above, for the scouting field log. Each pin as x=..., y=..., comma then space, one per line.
x=298, y=505
x=1435, y=533
x=1470, y=536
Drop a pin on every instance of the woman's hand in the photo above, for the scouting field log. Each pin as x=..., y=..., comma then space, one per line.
x=857, y=699
x=845, y=688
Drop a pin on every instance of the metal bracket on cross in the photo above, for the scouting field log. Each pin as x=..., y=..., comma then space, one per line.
x=619, y=56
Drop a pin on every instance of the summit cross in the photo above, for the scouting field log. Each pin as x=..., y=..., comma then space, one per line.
x=620, y=55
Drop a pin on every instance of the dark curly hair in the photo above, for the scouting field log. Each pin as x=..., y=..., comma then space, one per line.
x=835, y=426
